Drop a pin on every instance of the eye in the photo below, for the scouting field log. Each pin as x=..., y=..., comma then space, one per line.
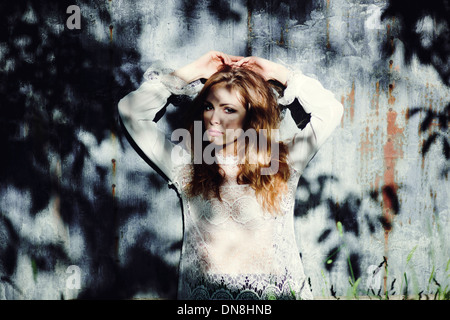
x=207, y=107
x=229, y=110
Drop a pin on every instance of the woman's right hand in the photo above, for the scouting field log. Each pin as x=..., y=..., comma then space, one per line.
x=267, y=69
x=205, y=66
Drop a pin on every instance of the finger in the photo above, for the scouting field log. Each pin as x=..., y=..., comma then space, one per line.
x=223, y=58
x=236, y=58
x=214, y=55
x=240, y=61
x=227, y=59
x=243, y=61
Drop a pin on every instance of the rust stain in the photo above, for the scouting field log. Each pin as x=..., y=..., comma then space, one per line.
x=328, y=26
x=351, y=99
x=367, y=143
x=114, y=167
x=111, y=28
x=392, y=67
x=113, y=190
x=390, y=37
x=281, y=42
x=115, y=211
x=388, y=30
x=391, y=98
x=392, y=151
x=116, y=223
x=113, y=161
x=328, y=34
x=376, y=98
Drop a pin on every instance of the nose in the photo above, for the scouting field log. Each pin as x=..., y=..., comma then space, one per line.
x=215, y=117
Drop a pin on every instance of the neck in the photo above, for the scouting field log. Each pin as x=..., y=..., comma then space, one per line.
x=229, y=149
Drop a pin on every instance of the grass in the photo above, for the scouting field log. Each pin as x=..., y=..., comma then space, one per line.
x=434, y=290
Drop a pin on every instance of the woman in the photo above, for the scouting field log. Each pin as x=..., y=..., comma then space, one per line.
x=239, y=240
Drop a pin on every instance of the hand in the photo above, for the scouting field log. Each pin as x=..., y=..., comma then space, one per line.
x=205, y=66
x=267, y=69
x=212, y=61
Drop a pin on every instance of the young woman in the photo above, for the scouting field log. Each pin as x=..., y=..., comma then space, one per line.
x=239, y=240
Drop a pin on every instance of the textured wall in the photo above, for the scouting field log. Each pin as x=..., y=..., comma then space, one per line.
x=74, y=192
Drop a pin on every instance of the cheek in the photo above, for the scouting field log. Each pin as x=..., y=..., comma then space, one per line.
x=236, y=120
x=206, y=116
x=232, y=123
x=241, y=120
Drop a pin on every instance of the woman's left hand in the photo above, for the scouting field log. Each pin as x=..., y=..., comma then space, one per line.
x=205, y=66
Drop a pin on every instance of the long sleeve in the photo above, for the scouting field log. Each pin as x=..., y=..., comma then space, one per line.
x=326, y=114
x=137, y=111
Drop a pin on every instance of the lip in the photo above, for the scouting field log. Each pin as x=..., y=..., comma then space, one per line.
x=214, y=133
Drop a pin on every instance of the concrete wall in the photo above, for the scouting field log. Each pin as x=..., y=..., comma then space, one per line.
x=82, y=215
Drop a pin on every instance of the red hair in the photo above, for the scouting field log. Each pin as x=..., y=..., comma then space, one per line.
x=262, y=116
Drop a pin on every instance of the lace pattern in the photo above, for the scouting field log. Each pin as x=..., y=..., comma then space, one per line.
x=244, y=287
x=174, y=84
x=233, y=249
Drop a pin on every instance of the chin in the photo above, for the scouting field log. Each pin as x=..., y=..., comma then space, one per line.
x=216, y=141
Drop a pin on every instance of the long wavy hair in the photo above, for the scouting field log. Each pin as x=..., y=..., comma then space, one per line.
x=263, y=117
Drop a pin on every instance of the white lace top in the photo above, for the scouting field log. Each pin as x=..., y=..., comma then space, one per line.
x=233, y=248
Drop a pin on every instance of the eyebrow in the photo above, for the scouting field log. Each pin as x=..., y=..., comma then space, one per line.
x=227, y=104
x=222, y=104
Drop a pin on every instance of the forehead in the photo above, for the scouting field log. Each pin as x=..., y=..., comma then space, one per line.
x=222, y=94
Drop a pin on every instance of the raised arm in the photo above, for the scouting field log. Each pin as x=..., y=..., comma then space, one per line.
x=139, y=108
x=137, y=111
x=205, y=66
x=326, y=112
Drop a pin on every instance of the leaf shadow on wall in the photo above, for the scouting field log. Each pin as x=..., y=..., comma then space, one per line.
x=224, y=11
x=230, y=12
x=59, y=85
x=424, y=30
x=59, y=89
x=349, y=215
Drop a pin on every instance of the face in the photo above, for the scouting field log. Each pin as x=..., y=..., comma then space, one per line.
x=222, y=111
